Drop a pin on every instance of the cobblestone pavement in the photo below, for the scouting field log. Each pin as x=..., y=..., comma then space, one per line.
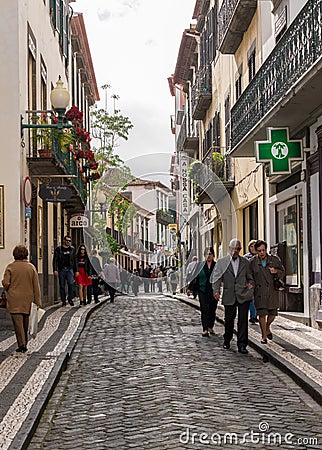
x=142, y=377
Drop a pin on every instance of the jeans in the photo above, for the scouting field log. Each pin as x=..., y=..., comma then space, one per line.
x=66, y=275
x=252, y=310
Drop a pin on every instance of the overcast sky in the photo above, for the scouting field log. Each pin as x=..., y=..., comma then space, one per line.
x=134, y=46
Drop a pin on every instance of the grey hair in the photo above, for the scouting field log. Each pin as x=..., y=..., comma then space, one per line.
x=235, y=242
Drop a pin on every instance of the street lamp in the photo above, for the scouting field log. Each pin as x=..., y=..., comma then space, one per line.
x=101, y=199
x=59, y=98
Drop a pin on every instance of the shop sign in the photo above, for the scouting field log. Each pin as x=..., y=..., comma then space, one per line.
x=279, y=151
x=78, y=221
x=54, y=193
x=184, y=164
x=173, y=228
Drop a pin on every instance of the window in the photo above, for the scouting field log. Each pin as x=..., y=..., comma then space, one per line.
x=216, y=132
x=238, y=83
x=251, y=65
x=290, y=230
x=227, y=121
x=43, y=91
x=250, y=224
x=59, y=11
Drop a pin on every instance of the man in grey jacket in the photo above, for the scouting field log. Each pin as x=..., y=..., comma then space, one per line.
x=234, y=273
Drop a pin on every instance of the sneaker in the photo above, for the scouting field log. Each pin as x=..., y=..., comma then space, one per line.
x=252, y=320
x=71, y=302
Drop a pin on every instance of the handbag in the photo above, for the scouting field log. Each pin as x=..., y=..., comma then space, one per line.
x=279, y=284
x=3, y=299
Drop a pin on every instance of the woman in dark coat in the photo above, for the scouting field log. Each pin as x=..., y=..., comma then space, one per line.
x=266, y=269
x=203, y=287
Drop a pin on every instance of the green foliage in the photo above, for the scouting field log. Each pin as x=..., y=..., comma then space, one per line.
x=107, y=130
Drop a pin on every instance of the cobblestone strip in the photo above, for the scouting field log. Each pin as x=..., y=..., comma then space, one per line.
x=19, y=410
x=10, y=366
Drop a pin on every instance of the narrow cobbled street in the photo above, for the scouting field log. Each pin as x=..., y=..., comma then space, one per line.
x=142, y=377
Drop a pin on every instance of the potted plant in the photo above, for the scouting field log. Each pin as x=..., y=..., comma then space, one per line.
x=43, y=137
x=218, y=165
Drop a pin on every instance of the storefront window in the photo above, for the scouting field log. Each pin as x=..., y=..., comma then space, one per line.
x=290, y=231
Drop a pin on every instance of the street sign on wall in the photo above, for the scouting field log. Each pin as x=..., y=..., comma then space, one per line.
x=279, y=150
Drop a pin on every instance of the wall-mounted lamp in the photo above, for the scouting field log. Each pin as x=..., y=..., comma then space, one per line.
x=59, y=98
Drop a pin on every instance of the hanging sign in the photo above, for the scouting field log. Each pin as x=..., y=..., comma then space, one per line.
x=79, y=221
x=54, y=193
x=279, y=151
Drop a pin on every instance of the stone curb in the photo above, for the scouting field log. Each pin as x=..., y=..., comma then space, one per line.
x=27, y=430
x=309, y=386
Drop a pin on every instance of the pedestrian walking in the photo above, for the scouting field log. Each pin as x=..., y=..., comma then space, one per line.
x=191, y=277
x=173, y=280
x=124, y=280
x=64, y=266
x=159, y=279
x=233, y=271
x=251, y=253
x=112, y=277
x=135, y=281
x=20, y=280
x=267, y=271
x=203, y=287
x=97, y=272
x=83, y=273
x=146, y=278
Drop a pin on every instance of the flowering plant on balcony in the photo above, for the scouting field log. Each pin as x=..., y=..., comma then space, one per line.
x=81, y=135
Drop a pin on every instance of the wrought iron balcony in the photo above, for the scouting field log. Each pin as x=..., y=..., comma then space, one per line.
x=201, y=93
x=186, y=140
x=287, y=87
x=233, y=20
x=49, y=157
x=164, y=217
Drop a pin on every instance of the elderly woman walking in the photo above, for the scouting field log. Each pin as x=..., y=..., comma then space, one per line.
x=266, y=271
x=20, y=280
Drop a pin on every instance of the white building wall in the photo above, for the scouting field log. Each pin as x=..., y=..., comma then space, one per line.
x=14, y=18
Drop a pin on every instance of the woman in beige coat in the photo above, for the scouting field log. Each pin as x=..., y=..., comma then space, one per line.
x=20, y=280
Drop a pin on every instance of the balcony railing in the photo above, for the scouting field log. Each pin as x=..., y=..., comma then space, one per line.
x=53, y=159
x=294, y=55
x=233, y=20
x=164, y=217
x=186, y=140
x=201, y=93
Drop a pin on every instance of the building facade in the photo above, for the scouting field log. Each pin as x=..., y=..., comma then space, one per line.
x=38, y=40
x=245, y=69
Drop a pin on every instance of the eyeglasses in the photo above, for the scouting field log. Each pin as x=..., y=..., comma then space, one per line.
x=68, y=240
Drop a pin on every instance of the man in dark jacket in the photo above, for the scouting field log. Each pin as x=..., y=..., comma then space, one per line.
x=64, y=266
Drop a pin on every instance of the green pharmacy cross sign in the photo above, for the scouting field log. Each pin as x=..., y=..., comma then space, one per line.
x=278, y=150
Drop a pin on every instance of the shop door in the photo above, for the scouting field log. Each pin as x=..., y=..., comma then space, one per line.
x=289, y=216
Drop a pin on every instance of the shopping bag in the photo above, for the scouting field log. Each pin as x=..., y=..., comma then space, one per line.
x=33, y=321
